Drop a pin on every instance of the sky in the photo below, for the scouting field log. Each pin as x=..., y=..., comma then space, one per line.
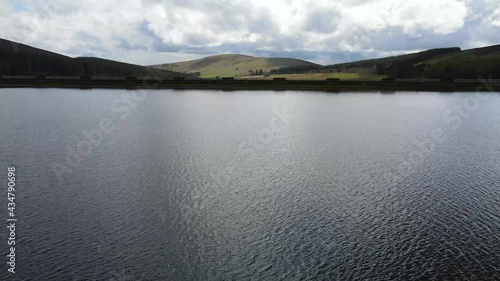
x=323, y=31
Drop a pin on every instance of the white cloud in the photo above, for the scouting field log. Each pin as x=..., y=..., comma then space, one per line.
x=155, y=31
x=494, y=18
x=437, y=16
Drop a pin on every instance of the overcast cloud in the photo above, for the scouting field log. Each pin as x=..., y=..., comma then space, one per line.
x=323, y=31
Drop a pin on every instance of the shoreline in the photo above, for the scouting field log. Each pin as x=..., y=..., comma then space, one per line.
x=277, y=85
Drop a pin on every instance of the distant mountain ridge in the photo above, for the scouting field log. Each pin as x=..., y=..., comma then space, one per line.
x=232, y=65
x=21, y=59
x=442, y=63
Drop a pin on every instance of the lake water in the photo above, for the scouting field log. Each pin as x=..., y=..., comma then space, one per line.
x=210, y=185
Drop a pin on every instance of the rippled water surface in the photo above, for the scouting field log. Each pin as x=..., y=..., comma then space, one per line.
x=207, y=185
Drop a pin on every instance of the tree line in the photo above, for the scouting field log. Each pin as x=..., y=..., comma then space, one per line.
x=256, y=72
x=417, y=65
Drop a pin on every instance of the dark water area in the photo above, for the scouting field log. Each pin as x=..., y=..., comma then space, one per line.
x=210, y=185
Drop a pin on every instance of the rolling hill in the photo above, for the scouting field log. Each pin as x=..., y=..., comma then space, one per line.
x=232, y=65
x=465, y=64
x=20, y=59
x=446, y=63
x=443, y=63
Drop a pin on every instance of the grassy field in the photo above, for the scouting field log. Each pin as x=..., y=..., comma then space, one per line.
x=320, y=76
x=231, y=65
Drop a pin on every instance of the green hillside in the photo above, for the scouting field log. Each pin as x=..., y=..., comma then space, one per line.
x=20, y=59
x=232, y=65
x=443, y=63
x=465, y=64
x=446, y=63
